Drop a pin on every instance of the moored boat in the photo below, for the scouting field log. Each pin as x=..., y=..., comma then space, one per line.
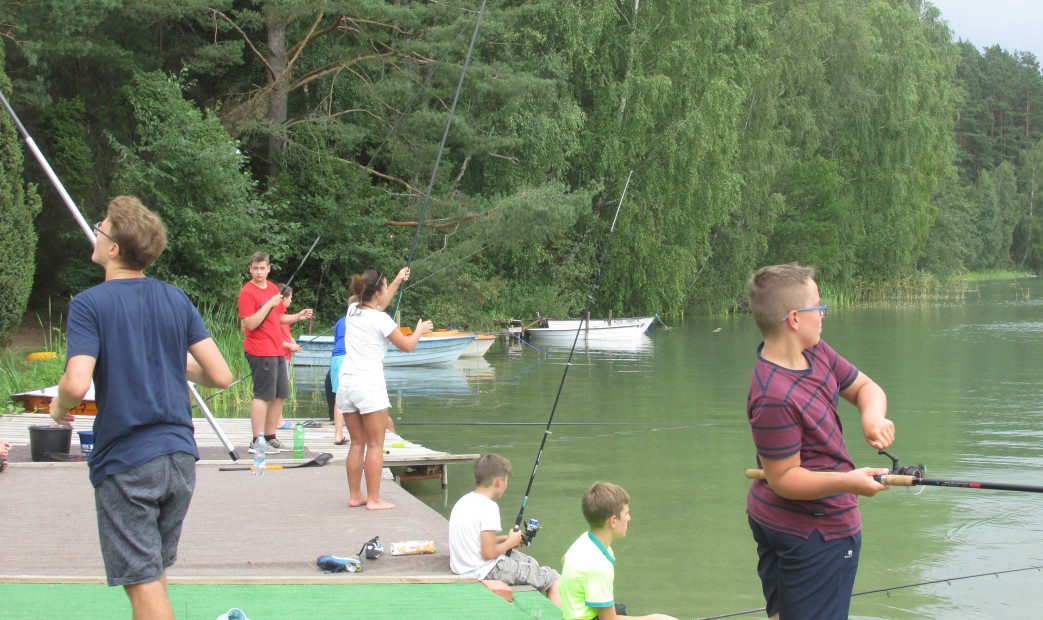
x=39, y=401
x=434, y=348
x=559, y=331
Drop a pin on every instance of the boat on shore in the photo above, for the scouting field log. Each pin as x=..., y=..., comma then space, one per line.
x=558, y=331
x=434, y=348
x=39, y=401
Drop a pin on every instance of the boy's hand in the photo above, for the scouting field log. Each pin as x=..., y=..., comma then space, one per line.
x=514, y=539
x=862, y=481
x=273, y=301
x=879, y=431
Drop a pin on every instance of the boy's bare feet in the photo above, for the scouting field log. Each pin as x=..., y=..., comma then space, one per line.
x=379, y=505
x=355, y=502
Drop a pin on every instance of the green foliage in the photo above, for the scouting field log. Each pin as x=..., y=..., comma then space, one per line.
x=184, y=165
x=18, y=205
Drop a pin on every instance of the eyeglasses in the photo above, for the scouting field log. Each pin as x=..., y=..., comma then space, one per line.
x=820, y=309
x=99, y=231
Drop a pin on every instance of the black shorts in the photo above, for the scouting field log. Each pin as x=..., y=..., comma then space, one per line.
x=271, y=380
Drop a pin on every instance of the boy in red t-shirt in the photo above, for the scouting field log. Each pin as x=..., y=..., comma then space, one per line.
x=263, y=313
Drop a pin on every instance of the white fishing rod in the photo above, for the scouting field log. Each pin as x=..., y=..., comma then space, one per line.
x=89, y=231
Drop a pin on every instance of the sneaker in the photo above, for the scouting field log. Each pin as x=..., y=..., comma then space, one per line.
x=271, y=447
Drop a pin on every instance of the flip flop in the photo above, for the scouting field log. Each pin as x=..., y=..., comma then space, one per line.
x=286, y=426
x=341, y=442
x=3, y=464
x=311, y=424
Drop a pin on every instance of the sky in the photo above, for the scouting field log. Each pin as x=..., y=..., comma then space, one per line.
x=1013, y=24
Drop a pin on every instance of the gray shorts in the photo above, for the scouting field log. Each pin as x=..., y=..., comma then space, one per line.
x=139, y=517
x=270, y=376
x=519, y=569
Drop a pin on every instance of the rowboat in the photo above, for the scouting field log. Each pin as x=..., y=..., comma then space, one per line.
x=434, y=348
x=39, y=401
x=481, y=345
x=559, y=331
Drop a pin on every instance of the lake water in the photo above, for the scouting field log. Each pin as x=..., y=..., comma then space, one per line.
x=666, y=420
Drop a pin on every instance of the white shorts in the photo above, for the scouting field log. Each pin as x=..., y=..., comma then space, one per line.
x=362, y=394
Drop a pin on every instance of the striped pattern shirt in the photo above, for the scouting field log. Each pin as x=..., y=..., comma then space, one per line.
x=795, y=412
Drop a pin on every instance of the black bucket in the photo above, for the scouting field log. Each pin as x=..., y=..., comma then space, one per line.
x=49, y=438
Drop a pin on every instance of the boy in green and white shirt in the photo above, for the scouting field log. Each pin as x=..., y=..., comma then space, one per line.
x=589, y=564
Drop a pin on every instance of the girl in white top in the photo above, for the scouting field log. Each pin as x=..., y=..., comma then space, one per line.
x=362, y=394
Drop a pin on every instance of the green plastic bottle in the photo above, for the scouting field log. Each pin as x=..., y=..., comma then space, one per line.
x=298, y=440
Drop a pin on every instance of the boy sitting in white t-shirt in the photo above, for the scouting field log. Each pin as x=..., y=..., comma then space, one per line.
x=476, y=548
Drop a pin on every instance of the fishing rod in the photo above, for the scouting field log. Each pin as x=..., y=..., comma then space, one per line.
x=532, y=528
x=890, y=589
x=914, y=476
x=449, y=423
x=481, y=249
x=441, y=148
x=89, y=231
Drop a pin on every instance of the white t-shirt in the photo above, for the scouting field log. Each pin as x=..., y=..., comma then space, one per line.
x=366, y=341
x=473, y=514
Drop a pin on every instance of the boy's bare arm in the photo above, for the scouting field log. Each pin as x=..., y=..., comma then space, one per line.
x=791, y=481
x=493, y=545
x=871, y=401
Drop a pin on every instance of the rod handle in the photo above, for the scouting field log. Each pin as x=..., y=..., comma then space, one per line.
x=891, y=480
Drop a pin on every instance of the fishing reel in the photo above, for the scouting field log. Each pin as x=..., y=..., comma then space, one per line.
x=532, y=526
x=916, y=471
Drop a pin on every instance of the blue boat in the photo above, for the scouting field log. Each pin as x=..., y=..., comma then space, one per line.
x=430, y=350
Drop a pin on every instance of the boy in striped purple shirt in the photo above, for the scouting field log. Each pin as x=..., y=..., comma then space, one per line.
x=805, y=522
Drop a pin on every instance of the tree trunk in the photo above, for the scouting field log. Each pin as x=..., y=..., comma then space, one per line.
x=278, y=95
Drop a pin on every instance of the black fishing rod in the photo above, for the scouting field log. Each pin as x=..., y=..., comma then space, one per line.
x=914, y=476
x=89, y=231
x=890, y=589
x=550, y=420
x=376, y=153
x=449, y=423
x=441, y=147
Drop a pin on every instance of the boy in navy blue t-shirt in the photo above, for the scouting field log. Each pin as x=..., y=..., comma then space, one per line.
x=139, y=339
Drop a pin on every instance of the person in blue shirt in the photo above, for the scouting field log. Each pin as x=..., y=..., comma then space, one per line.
x=139, y=339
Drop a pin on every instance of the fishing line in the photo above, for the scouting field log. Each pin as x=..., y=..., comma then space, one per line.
x=579, y=328
x=89, y=231
x=892, y=588
x=441, y=147
x=369, y=164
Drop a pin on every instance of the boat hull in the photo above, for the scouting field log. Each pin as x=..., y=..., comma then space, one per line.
x=560, y=331
x=439, y=349
x=39, y=401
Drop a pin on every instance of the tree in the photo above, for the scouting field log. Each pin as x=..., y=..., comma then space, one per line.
x=19, y=203
x=188, y=169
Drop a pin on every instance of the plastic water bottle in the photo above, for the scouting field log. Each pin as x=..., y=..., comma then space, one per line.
x=298, y=440
x=259, y=454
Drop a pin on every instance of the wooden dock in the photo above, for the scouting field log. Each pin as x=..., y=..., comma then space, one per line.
x=240, y=528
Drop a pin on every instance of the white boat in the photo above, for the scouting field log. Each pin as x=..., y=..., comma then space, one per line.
x=432, y=349
x=563, y=331
x=482, y=343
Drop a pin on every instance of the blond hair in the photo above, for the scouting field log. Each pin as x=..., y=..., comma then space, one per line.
x=489, y=467
x=139, y=233
x=603, y=500
x=775, y=290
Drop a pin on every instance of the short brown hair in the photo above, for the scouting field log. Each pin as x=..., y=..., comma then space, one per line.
x=603, y=500
x=259, y=257
x=774, y=291
x=140, y=233
x=489, y=467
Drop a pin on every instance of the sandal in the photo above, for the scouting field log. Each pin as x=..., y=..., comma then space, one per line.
x=285, y=426
x=3, y=464
x=311, y=424
x=341, y=442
